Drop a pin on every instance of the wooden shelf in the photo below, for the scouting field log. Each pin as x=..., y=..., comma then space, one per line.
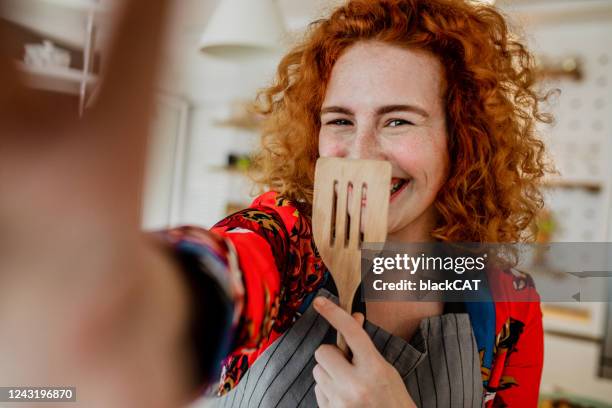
x=62, y=21
x=228, y=170
x=572, y=313
x=245, y=123
x=568, y=183
x=241, y=116
x=64, y=80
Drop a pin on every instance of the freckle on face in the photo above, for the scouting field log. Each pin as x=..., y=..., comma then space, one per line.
x=332, y=149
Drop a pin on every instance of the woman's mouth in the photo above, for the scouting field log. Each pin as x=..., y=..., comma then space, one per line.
x=397, y=186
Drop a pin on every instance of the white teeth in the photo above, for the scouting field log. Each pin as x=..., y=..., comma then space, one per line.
x=396, y=186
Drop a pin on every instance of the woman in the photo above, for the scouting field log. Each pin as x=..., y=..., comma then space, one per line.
x=440, y=90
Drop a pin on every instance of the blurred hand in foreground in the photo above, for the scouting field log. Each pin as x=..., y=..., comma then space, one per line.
x=85, y=299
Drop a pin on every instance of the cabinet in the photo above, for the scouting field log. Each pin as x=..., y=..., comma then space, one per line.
x=76, y=25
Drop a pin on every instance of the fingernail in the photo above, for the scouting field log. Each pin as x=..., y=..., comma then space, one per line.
x=320, y=301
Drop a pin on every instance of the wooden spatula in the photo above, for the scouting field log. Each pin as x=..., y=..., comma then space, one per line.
x=337, y=214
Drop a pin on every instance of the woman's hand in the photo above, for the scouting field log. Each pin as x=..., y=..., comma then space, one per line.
x=366, y=381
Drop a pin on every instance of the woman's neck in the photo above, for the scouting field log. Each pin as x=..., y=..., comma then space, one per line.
x=403, y=318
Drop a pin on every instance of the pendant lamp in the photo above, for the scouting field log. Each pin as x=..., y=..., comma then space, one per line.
x=243, y=28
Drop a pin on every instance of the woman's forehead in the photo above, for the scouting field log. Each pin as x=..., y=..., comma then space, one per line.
x=379, y=73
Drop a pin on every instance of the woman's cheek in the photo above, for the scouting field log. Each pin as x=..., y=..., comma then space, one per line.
x=331, y=147
x=408, y=160
x=417, y=158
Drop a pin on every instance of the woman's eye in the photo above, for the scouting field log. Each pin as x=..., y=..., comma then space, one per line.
x=339, y=122
x=398, y=122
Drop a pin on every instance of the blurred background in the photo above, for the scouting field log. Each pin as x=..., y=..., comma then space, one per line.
x=220, y=52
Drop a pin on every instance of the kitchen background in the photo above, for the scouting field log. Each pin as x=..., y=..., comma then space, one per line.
x=221, y=51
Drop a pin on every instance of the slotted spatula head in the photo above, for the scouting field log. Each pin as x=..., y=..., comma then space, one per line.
x=341, y=224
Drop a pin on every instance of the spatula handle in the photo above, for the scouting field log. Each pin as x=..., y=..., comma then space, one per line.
x=341, y=342
x=346, y=303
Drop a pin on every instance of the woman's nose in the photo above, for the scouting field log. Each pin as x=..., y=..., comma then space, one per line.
x=366, y=145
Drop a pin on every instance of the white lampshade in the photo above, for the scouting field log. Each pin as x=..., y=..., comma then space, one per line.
x=243, y=27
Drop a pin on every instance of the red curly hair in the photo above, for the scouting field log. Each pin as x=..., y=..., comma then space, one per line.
x=497, y=161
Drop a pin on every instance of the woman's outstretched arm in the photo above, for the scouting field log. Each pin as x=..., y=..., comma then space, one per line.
x=264, y=260
x=86, y=299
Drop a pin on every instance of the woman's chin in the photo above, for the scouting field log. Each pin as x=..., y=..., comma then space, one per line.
x=394, y=225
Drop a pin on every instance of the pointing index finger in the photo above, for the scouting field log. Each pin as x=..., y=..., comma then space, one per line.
x=356, y=337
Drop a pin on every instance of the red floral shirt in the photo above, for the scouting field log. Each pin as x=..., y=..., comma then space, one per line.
x=277, y=270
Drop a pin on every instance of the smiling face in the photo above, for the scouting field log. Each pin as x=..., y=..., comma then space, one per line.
x=384, y=102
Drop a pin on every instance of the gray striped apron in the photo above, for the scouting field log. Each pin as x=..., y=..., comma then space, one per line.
x=440, y=365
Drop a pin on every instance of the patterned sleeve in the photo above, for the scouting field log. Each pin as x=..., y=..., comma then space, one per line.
x=519, y=344
x=520, y=380
x=267, y=262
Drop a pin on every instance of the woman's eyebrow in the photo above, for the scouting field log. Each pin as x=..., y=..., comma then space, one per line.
x=380, y=111
x=336, y=109
x=402, y=108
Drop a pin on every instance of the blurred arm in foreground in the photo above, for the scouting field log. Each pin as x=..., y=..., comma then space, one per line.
x=86, y=299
